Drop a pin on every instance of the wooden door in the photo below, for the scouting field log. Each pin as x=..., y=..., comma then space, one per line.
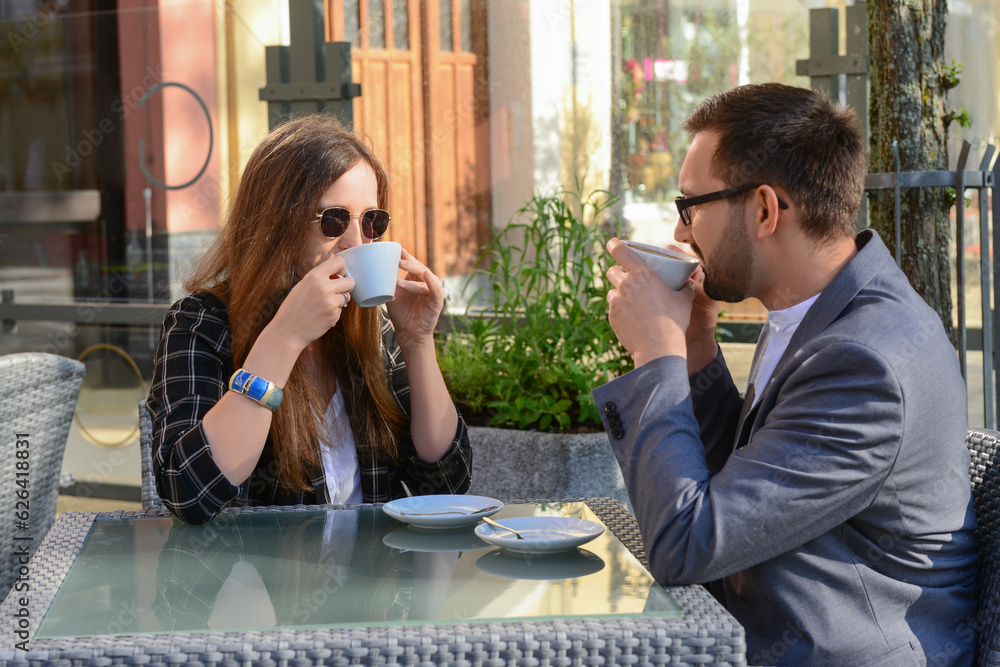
x=423, y=106
x=386, y=61
x=456, y=133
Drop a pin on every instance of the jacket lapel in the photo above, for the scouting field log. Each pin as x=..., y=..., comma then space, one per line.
x=747, y=416
x=859, y=272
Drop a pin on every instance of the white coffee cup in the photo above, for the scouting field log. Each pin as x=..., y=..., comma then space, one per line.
x=674, y=268
x=374, y=267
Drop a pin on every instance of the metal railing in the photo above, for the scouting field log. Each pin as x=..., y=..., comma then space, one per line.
x=81, y=311
x=825, y=67
x=984, y=180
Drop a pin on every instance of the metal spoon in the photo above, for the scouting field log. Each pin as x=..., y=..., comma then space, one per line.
x=478, y=511
x=494, y=523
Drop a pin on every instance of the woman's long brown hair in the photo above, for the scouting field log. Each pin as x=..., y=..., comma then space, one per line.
x=254, y=264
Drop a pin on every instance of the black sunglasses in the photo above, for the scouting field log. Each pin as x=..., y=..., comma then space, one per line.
x=335, y=220
x=684, y=203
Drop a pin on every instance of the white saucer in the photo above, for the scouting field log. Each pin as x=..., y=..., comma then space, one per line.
x=412, y=538
x=542, y=534
x=565, y=565
x=455, y=510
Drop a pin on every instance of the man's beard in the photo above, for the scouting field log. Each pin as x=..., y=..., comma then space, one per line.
x=727, y=276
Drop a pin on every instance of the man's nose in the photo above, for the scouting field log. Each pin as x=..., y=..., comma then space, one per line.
x=682, y=232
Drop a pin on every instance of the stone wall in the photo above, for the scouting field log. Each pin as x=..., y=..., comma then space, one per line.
x=513, y=464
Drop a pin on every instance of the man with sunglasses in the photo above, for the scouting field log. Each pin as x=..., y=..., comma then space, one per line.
x=829, y=507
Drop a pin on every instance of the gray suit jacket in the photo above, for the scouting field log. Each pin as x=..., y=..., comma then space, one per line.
x=838, y=515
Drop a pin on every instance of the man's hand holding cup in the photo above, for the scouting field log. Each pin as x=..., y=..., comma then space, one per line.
x=648, y=315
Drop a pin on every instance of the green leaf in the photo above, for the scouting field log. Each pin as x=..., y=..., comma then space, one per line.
x=562, y=406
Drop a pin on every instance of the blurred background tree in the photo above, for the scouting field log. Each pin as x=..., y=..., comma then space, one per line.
x=908, y=85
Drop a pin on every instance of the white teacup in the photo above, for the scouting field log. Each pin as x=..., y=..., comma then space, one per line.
x=674, y=268
x=374, y=267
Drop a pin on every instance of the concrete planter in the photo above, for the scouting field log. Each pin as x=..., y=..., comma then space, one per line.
x=508, y=463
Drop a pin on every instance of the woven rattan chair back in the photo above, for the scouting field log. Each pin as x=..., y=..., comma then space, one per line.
x=38, y=394
x=150, y=498
x=984, y=446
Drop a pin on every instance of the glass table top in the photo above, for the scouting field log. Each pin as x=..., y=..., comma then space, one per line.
x=325, y=568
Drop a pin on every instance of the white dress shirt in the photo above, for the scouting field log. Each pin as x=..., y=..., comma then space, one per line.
x=782, y=324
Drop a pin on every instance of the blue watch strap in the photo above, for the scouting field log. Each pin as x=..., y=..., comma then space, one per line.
x=257, y=388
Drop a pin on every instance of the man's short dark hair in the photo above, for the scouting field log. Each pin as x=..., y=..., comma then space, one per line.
x=791, y=137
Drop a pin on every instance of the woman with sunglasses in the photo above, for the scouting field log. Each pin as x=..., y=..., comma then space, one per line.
x=270, y=387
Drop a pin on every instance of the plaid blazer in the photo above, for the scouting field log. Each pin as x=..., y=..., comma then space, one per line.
x=191, y=372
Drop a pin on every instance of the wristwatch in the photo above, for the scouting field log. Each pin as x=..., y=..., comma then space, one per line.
x=264, y=392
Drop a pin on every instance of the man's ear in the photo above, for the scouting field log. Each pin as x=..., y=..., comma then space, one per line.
x=765, y=201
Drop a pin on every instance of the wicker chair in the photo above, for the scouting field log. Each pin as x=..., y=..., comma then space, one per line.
x=150, y=498
x=38, y=395
x=984, y=446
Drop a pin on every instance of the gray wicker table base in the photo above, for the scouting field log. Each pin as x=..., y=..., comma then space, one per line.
x=706, y=634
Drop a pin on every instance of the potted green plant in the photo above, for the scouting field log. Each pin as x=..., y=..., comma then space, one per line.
x=522, y=360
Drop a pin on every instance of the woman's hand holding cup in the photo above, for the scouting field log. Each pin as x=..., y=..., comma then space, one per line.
x=417, y=305
x=315, y=304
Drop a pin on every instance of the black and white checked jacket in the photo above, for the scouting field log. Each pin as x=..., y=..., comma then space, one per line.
x=191, y=372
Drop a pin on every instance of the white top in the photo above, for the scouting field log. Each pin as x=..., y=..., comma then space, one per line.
x=782, y=324
x=340, y=454
x=340, y=531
